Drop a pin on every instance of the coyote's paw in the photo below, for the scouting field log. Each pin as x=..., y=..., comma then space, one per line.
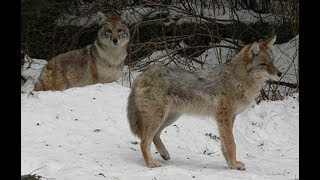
x=165, y=156
x=153, y=165
x=238, y=165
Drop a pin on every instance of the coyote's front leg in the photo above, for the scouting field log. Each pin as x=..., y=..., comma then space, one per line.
x=228, y=145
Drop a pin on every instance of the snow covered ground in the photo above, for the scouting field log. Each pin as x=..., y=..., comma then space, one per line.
x=83, y=133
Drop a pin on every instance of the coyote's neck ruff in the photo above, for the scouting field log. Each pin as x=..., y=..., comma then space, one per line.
x=161, y=94
x=99, y=62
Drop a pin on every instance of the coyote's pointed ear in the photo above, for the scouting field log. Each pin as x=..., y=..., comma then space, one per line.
x=125, y=16
x=101, y=18
x=269, y=42
x=249, y=51
x=254, y=49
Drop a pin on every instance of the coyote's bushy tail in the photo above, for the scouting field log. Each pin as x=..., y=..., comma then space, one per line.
x=133, y=116
x=152, y=78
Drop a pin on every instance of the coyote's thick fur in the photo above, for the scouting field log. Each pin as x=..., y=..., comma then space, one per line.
x=161, y=94
x=100, y=62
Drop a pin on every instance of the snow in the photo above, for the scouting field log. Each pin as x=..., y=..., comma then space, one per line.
x=286, y=57
x=30, y=71
x=217, y=55
x=83, y=133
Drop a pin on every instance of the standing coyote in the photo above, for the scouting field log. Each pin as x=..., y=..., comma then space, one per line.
x=100, y=62
x=161, y=94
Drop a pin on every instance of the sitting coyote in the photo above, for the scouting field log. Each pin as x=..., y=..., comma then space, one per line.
x=161, y=94
x=100, y=62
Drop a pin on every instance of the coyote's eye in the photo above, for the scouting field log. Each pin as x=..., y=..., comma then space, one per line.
x=262, y=64
x=120, y=31
x=109, y=31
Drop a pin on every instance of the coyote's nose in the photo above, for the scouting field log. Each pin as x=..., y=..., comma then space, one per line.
x=115, y=40
x=279, y=74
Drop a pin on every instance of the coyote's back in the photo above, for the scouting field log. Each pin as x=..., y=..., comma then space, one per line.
x=100, y=62
x=161, y=94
